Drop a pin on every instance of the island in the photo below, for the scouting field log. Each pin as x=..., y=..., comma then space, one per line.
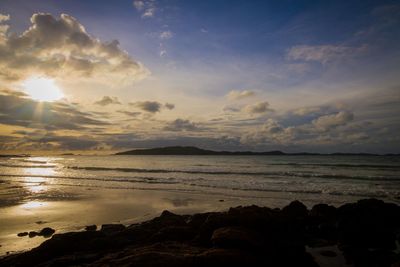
x=193, y=151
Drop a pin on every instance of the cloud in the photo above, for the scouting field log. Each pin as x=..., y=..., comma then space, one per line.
x=322, y=53
x=231, y=108
x=260, y=107
x=61, y=47
x=307, y=111
x=108, y=100
x=148, y=106
x=236, y=94
x=181, y=125
x=152, y=106
x=272, y=127
x=130, y=113
x=328, y=122
x=21, y=111
x=165, y=35
x=139, y=5
x=146, y=7
x=169, y=106
x=4, y=17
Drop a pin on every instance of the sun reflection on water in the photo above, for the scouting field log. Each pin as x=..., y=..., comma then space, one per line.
x=37, y=178
x=33, y=205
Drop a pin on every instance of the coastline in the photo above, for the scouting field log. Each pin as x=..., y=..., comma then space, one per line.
x=366, y=233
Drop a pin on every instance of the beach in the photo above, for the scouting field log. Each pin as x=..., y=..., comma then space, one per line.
x=364, y=233
x=67, y=193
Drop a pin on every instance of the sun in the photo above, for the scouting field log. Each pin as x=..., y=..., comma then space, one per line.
x=42, y=89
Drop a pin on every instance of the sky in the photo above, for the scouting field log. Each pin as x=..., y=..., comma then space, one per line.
x=101, y=76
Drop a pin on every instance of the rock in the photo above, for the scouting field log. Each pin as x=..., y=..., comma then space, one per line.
x=369, y=223
x=40, y=222
x=295, y=209
x=241, y=236
x=174, y=233
x=47, y=232
x=22, y=234
x=235, y=237
x=328, y=253
x=112, y=228
x=91, y=227
x=323, y=212
x=33, y=234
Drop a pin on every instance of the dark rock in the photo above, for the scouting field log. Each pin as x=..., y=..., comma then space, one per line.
x=33, y=234
x=47, y=232
x=369, y=224
x=22, y=234
x=91, y=227
x=174, y=233
x=295, y=209
x=328, y=253
x=219, y=257
x=323, y=212
x=242, y=236
x=112, y=228
x=40, y=222
x=235, y=237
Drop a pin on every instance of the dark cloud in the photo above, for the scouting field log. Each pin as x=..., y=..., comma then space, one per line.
x=148, y=106
x=130, y=113
x=108, y=100
x=181, y=125
x=169, y=106
x=16, y=110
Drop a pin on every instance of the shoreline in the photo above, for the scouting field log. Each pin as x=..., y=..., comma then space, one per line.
x=366, y=233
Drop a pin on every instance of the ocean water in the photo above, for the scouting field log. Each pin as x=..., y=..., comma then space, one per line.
x=320, y=176
x=69, y=192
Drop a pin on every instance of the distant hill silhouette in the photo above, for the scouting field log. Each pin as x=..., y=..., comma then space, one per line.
x=191, y=150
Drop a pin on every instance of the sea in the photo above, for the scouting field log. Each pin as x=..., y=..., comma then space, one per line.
x=69, y=192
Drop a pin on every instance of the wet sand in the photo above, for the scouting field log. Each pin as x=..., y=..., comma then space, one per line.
x=364, y=233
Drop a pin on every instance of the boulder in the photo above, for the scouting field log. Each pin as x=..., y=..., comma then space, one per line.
x=112, y=228
x=91, y=227
x=33, y=234
x=46, y=232
x=22, y=234
x=295, y=210
x=235, y=237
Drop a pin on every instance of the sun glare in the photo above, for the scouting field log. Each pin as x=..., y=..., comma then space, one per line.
x=42, y=89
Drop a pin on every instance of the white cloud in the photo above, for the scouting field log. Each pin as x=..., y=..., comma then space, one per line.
x=260, y=107
x=4, y=17
x=139, y=5
x=146, y=7
x=236, y=94
x=328, y=122
x=165, y=35
x=61, y=47
x=322, y=53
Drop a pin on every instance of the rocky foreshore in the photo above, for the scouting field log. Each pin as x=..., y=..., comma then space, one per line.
x=367, y=234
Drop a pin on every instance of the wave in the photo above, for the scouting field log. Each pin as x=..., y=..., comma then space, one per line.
x=339, y=165
x=26, y=166
x=191, y=186
x=267, y=174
